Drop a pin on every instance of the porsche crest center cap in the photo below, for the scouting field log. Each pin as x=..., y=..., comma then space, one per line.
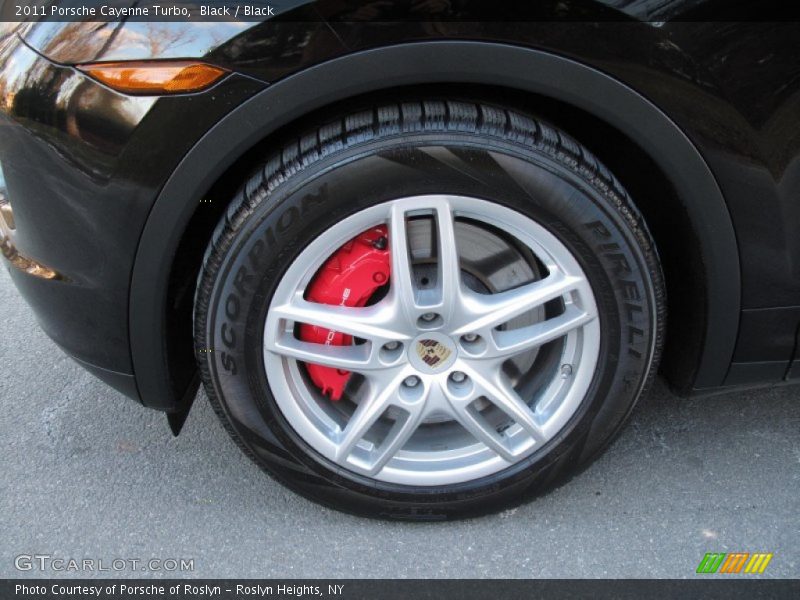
x=432, y=352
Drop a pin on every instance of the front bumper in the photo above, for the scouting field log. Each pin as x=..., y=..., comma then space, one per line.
x=83, y=166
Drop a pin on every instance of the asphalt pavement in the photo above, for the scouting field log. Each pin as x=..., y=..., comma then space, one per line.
x=88, y=473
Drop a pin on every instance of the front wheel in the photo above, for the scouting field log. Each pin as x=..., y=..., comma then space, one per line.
x=428, y=310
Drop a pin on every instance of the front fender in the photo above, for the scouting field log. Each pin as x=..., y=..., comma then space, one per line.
x=419, y=63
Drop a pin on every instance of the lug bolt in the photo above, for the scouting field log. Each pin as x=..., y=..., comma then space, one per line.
x=470, y=337
x=428, y=316
x=566, y=371
x=391, y=345
x=458, y=377
x=411, y=381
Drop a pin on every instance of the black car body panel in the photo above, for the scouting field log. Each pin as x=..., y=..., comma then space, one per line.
x=84, y=160
x=106, y=188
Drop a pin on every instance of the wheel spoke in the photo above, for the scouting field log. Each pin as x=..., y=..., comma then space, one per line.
x=449, y=272
x=499, y=391
x=470, y=419
x=492, y=310
x=443, y=298
x=375, y=323
x=364, y=417
x=402, y=286
x=397, y=437
x=369, y=410
x=350, y=358
x=508, y=343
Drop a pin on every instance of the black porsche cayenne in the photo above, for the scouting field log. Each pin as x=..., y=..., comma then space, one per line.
x=424, y=264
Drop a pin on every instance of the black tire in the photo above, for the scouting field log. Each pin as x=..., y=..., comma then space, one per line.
x=367, y=156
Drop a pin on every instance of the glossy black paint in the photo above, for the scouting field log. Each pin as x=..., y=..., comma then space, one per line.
x=87, y=165
x=83, y=165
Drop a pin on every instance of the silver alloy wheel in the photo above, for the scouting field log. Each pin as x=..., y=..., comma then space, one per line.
x=469, y=413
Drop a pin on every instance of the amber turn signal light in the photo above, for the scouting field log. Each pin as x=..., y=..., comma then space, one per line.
x=154, y=78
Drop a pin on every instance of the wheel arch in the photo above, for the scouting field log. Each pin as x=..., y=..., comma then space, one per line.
x=164, y=367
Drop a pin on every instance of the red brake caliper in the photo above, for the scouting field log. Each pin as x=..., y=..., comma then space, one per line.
x=348, y=278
